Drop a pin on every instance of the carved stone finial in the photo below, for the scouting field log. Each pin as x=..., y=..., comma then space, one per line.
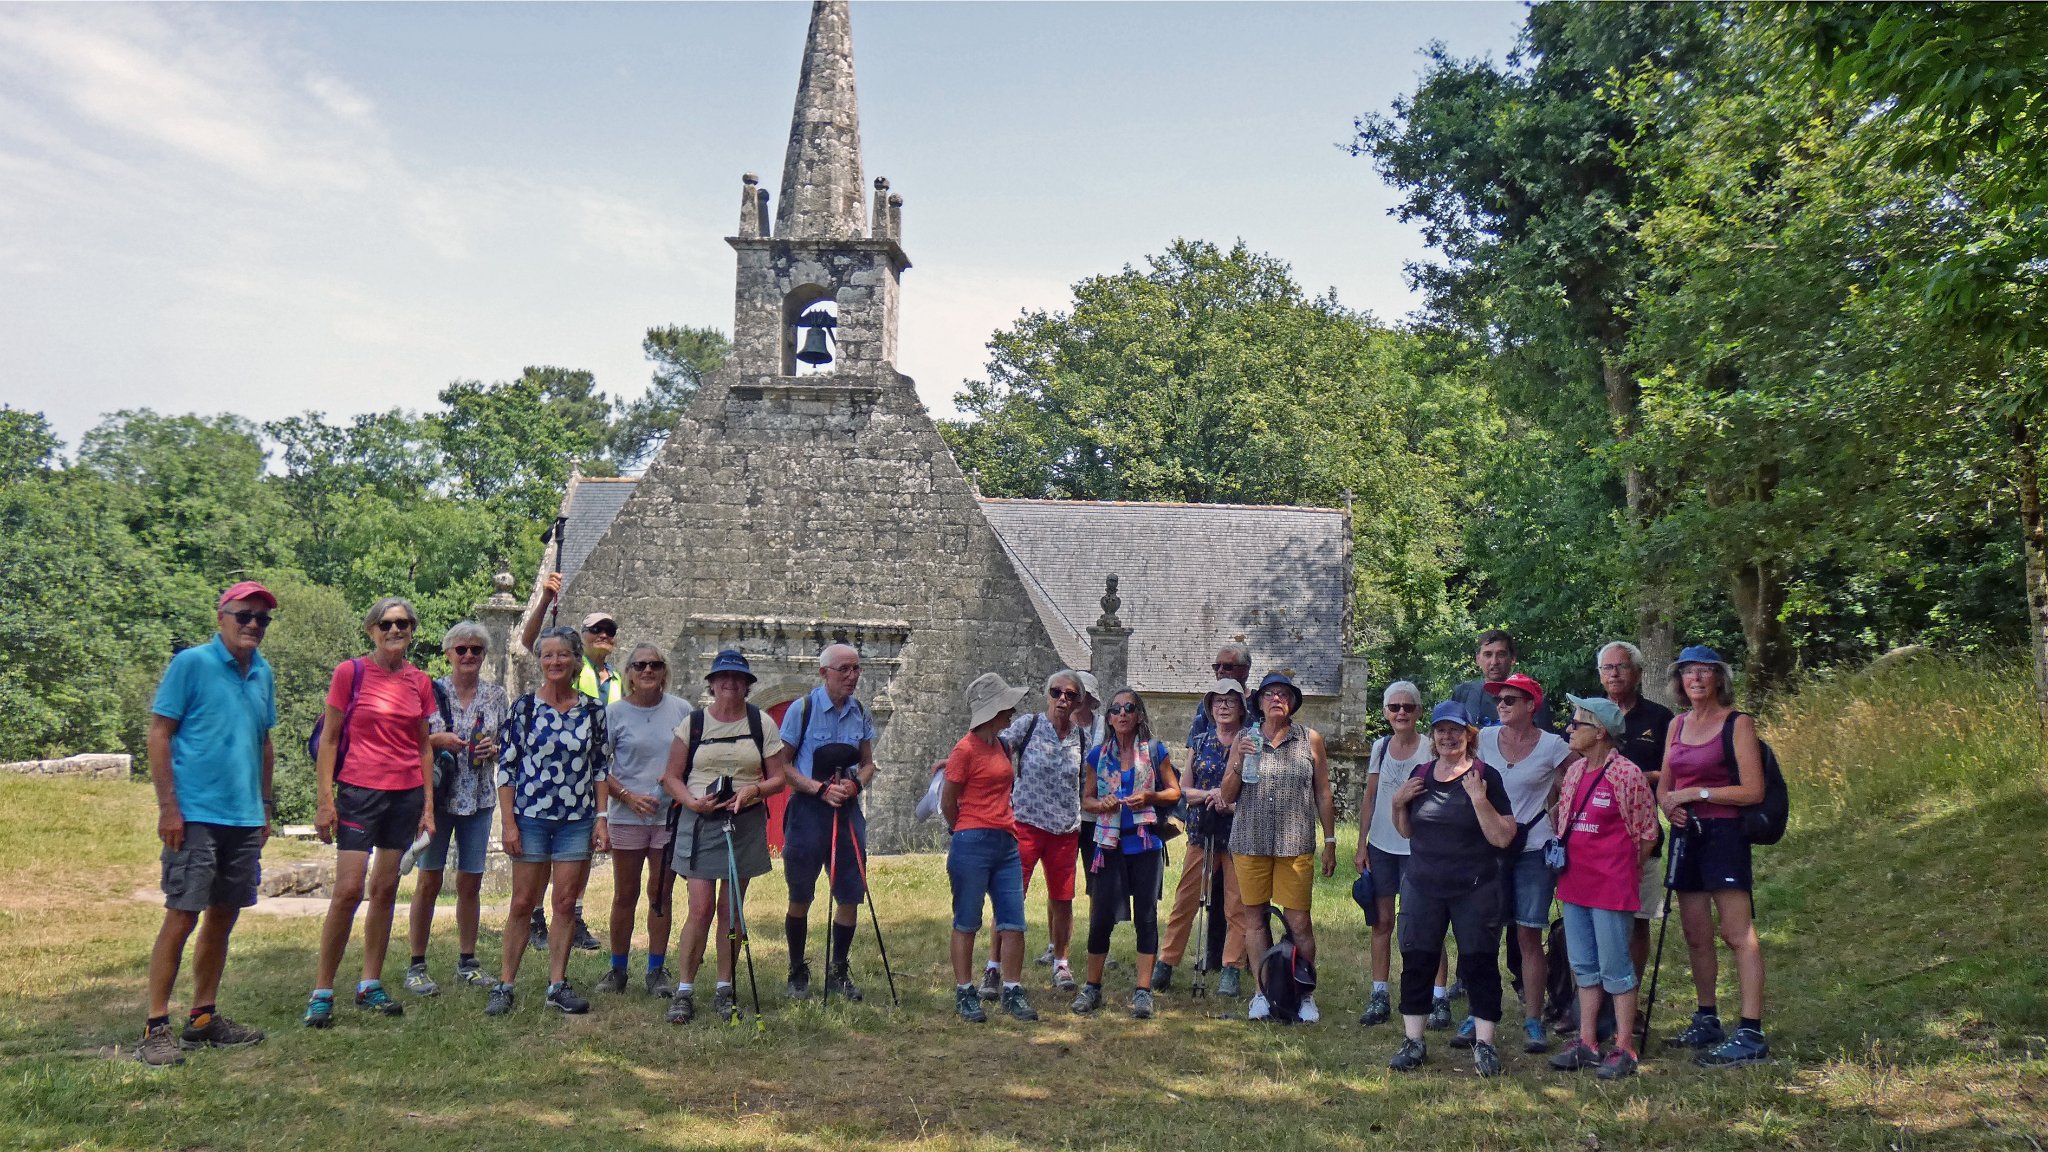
x=1110, y=603
x=750, y=179
x=503, y=582
x=881, y=183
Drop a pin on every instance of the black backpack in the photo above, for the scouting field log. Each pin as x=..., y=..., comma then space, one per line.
x=1764, y=822
x=1285, y=975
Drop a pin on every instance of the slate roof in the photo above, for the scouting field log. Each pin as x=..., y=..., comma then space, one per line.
x=1190, y=576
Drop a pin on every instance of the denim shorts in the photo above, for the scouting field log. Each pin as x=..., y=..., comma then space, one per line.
x=1386, y=868
x=554, y=841
x=983, y=864
x=1534, y=886
x=1597, y=940
x=472, y=836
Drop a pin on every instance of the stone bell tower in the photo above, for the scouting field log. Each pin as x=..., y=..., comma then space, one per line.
x=794, y=508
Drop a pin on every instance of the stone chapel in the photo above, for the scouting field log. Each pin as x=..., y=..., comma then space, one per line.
x=790, y=511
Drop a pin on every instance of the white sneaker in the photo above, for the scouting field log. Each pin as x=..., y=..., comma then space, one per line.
x=1308, y=1013
x=411, y=855
x=1259, y=1010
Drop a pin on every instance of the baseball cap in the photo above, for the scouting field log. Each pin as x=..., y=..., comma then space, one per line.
x=1521, y=683
x=246, y=590
x=599, y=618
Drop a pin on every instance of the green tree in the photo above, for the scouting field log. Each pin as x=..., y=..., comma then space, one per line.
x=314, y=629
x=516, y=443
x=682, y=357
x=26, y=445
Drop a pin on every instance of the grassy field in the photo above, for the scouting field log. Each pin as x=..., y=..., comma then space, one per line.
x=1902, y=917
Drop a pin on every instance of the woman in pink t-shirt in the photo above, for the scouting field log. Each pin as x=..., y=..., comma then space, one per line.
x=374, y=780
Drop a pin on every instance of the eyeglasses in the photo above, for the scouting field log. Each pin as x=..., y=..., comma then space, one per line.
x=1402, y=706
x=1606, y=668
x=1122, y=709
x=603, y=629
x=396, y=625
x=648, y=665
x=467, y=650
x=1220, y=666
x=842, y=669
x=1062, y=694
x=244, y=617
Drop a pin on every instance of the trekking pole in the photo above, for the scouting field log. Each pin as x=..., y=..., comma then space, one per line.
x=860, y=859
x=738, y=931
x=1671, y=858
x=831, y=901
x=554, y=536
x=1200, y=988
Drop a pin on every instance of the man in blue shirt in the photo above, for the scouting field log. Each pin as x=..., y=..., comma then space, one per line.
x=210, y=758
x=1496, y=658
x=823, y=827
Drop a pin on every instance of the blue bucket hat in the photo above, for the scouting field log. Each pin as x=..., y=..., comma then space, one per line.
x=1450, y=710
x=1698, y=654
x=731, y=660
x=1273, y=678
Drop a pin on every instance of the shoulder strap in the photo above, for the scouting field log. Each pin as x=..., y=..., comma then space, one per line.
x=755, y=734
x=444, y=700
x=1728, y=748
x=696, y=738
x=1564, y=835
x=803, y=723
x=1379, y=752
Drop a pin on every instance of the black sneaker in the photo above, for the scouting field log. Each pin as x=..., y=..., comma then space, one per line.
x=1576, y=1056
x=1704, y=1032
x=991, y=984
x=1485, y=1059
x=1141, y=1004
x=613, y=980
x=500, y=1002
x=537, y=931
x=798, y=986
x=1439, y=1015
x=1162, y=976
x=1409, y=1056
x=967, y=1002
x=219, y=1032
x=682, y=1008
x=471, y=972
x=838, y=983
x=159, y=1048
x=1744, y=1048
x=660, y=983
x=1378, y=1011
x=583, y=941
x=1618, y=1064
x=1018, y=1005
x=1088, y=1001
x=564, y=997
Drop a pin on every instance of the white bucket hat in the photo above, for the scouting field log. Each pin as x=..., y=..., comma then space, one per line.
x=988, y=696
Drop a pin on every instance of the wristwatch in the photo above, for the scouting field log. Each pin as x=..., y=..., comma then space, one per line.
x=1703, y=795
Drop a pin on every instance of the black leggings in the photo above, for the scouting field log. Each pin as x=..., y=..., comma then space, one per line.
x=1474, y=918
x=1125, y=879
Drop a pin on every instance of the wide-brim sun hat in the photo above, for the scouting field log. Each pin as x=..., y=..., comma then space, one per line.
x=1222, y=687
x=1089, y=687
x=1603, y=710
x=1273, y=678
x=1697, y=654
x=731, y=660
x=988, y=697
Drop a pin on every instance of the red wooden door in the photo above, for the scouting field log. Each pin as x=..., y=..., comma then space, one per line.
x=780, y=800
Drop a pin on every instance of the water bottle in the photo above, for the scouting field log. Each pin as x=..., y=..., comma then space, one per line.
x=476, y=735
x=1248, y=767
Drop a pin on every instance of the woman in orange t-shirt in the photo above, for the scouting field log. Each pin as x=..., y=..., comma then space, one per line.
x=982, y=862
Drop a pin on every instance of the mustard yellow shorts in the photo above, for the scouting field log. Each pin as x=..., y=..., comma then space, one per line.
x=1288, y=881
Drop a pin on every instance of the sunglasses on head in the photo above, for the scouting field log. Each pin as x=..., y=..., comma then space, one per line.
x=396, y=625
x=245, y=617
x=1402, y=706
x=603, y=629
x=467, y=650
x=1122, y=709
x=1062, y=694
x=648, y=665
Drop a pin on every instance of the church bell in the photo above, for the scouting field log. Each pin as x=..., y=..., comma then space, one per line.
x=815, y=325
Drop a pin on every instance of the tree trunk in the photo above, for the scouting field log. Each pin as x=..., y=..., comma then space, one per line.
x=2034, y=541
x=1656, y=622
x=1759, y=595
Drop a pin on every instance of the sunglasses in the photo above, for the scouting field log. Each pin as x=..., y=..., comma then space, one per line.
x=1221, y=667
x=397, y=625
x=1403, y=707
x=1062, y=694
x=648, y=665
x=467, y=650
x=1122, y=709
x=244, y=617
x=1571, y=724
x=603, y=629
x=1507, y=698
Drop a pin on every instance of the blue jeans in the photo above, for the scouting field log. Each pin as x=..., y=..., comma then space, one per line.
x=472, y=836
x=554, y=841
x=983, y=864
x=1597, y=941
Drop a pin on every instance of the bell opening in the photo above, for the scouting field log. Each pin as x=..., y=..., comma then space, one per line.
x=810, y=342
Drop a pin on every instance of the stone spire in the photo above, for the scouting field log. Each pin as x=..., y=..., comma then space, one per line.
x=821, y=186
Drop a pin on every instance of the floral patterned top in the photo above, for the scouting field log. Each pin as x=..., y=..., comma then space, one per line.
x=1047, y=794
x=476, y=786
x=554, y=762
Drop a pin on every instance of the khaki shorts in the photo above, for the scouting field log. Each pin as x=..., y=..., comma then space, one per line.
x=1650, y=887
x=1289, y=881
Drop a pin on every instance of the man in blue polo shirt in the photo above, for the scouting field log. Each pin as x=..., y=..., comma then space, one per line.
x=210, y=758
x=823, y=828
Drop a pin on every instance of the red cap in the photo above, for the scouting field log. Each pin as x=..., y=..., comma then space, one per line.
x=1519, y=682
x=246, y=590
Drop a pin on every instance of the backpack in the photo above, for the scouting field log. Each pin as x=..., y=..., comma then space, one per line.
x=1762, y=822
x=355, y=690
x=1285, y=975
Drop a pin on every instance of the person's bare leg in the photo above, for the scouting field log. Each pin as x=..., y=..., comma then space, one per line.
x=1738, y=929
x=165, y=957
x=469, y=900
x=1304, y=931
x=726, y=944
x=382, y=894
x=1639, y=948
x=566, y=884
x=703, y=909
x=1011, y=945
x=1624, y=1019
x=1383, y=940
x=1695, y=915
x=210, y=952
x=349, y=869
x=1256, y=941
x=419, y=919
x=1589, y=1016
x=625, y=898
x=1535, y=970
x=963, y=956
x=660, y=889
x=1059, y=922
x=529, y=882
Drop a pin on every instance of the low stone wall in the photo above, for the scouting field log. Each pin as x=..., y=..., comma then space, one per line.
x=94, y=766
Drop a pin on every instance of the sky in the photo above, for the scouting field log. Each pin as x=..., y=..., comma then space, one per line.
x=338, y=208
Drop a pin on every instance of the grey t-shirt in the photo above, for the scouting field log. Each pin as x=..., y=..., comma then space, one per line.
x=640, y=743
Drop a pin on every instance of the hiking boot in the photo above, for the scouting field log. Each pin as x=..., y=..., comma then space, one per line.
x=991, y=984
x=159, y=1048
x=418, y=982
x=376, y=999
x=583, y=941
x=320, y=1012
x=1378, y=1011
x=660, y=983
x=1308, y=1013
x=838, y=983
x=1704, y=1032
x=1259, y=1009
x=1485, y=1059
x=1439, y=1015
x=613, y=980
x=1088, y=1001
x=1046, y=957
x=1063, y=977
x=1535, y=1041
x=726, y=1003
x=500, y=1002
x=1744, y=1048
x=565, y=997
x=1227, y=983
x=1141, y=1004
x=968, y=1004
x=1409, y=1056
x=1468, y=1032
x=1017, y=1005
x=1577, y=1055
x=1456, y=991
x=682, y=1008
x=472, y=973
x=1162, y=976
x=219, y=1032
x=1619, y=1063
x=798, y=986
x=537, y=931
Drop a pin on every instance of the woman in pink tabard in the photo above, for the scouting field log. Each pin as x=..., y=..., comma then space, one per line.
x=1606, y=818
x=1713, y=768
